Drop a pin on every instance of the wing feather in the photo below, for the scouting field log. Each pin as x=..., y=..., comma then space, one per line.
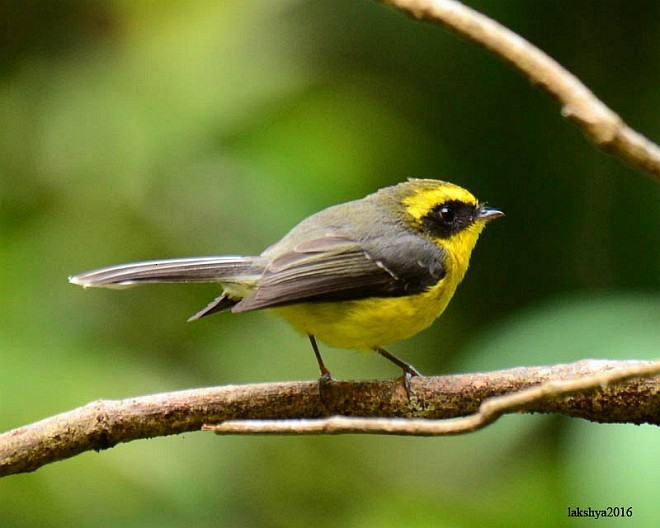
x=335, y=267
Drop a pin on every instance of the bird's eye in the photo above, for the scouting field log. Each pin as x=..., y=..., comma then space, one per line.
x=447, y=214
x=448, y=218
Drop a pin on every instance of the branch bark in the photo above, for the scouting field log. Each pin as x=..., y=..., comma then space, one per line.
x=489, y=411
x=600, y=124
x=106, y=423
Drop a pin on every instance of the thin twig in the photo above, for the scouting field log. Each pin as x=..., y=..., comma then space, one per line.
x=599, y=123
x=489, y=411
x=105, y=423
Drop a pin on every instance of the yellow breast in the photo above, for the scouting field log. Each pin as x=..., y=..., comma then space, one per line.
x=371, y=323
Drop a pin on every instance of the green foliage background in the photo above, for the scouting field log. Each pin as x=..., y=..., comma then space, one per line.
x=135, y=130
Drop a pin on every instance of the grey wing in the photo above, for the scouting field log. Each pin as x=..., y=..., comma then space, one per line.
x=335, y=267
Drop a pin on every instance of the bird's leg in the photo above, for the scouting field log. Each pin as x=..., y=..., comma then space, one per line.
x=325, y=373
x=408, y=370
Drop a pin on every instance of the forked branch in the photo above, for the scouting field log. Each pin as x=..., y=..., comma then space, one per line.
x=590, y=389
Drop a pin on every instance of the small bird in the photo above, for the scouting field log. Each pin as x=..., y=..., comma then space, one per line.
x=358, y=275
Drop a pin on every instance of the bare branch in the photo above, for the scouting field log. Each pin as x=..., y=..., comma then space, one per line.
x=489, y=411
x=599, y=123
x=105, y=423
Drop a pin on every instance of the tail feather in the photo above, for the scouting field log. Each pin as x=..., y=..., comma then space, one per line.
x=196, y=269
x=219, y=304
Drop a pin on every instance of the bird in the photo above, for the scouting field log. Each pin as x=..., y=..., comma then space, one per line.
x=358, y=275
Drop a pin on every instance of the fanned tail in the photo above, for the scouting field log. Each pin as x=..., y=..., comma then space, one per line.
x=238, y=270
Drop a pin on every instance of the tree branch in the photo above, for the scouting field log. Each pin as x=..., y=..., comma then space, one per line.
x=489, y=411
x=600, y=124
x=106, y=423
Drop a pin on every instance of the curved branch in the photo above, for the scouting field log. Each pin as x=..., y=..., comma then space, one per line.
x=490, y=410
x=600, y=124
x=105, y=423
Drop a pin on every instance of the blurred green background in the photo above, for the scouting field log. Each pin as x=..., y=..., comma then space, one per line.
x=134, y=130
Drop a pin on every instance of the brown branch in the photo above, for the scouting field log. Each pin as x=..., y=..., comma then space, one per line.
x=105, y=423
x=489, y=411
x=599, y=123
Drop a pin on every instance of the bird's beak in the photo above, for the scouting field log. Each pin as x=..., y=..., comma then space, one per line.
x=486, y=213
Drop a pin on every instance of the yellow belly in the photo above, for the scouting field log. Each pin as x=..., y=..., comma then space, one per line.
x=369, y=323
